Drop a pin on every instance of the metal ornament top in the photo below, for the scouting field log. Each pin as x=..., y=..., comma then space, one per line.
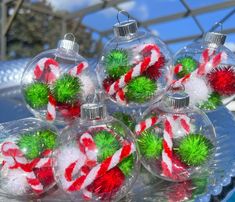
x=68, y=43
x=125, y=28
x=93, y=111
x=215, y=38
x=177, y=100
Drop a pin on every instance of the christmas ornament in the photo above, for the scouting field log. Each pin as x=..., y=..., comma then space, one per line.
x=25, y=157
x=55, y=82
x=175, y=140
x=96, y=162
x=205, y=67
x=133, y=67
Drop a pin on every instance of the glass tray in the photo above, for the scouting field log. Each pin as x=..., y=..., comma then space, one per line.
x=147, y=187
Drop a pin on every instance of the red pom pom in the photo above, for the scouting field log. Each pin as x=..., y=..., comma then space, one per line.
x=45, y=175
x=222, y=80
x=107, y=82
x=154, y=71
x=69, y=111
x=107, y=185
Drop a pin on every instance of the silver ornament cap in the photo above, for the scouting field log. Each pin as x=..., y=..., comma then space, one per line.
x=93, y=111
x=215, y=37
x=177, y=100
x=125, y=28
x=68, y=43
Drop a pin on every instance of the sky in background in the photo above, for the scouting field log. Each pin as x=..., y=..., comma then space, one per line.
x=148, y=9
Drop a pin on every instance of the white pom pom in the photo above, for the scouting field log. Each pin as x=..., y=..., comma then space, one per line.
x=14, y=181
x=197, y=89
x=88, y=86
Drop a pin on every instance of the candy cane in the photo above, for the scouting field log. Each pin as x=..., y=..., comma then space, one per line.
x=167, y=148
x=14, y=157
x=78, y=69
x=181, y=121
x=147, y=123
x=100, y=169
x=137, y=70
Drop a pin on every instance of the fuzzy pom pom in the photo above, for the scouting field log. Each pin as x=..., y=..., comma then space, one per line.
x=188, y=65
x=212, y=103
x=108, y=185
x=69, y=111
x=45, y=175
x=194, y=149
x=127, y=165
x=140, y=89
x=88, y=86
x=47, y=139
x=150, y=144
x=116, y=63
x=36, y=95
x=197, y=89
x=14, y=181
x=30, y=145
x=154, y=71
x=106, y=144
x=222, y=80
x=66, y=89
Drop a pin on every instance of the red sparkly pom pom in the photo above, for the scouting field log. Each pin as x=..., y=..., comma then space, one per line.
x=69, y=111
x=154, y=71
x=222, y=80
x=45, y=175
x=107, y=82
x=107, y=185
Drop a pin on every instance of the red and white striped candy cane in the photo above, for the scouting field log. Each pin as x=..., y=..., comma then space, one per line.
x=137, y=70
x=14, y=156
x=90, y=147
x=100, y=169
x=78, y=69
x=50, y=65
x=167, y=148
x=183, y=122
x=147, y=123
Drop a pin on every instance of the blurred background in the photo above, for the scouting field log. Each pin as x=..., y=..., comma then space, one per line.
x=30, y=26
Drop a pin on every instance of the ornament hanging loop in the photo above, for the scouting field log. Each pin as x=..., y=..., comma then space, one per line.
x=70, y=36
x=124, y=13
x=220, y=25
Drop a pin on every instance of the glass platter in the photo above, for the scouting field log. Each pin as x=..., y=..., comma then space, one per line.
x=147, y=187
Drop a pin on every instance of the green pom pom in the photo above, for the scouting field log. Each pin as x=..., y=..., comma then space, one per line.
x=140, y=89
x=126, y=119
x=194, y=149
x=36, y=95
x=66, y=89
x=48, y=139
x=127, y=164
x=212, y=103
x=106, y=143
x=30, y=145
x=188, y=65
x=116, y=63
x=149, y=144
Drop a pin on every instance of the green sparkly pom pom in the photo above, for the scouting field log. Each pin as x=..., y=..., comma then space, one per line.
x=127, y=165
x=126, y=119
x=66, y=89
x=194, y=149
x=30, y=145
x=36, y=95
x=116, y=63
x=140, y=89
x=149, y=144
x=106, y=143
x=212, y=103
x=188, y=65
x=48, y=139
